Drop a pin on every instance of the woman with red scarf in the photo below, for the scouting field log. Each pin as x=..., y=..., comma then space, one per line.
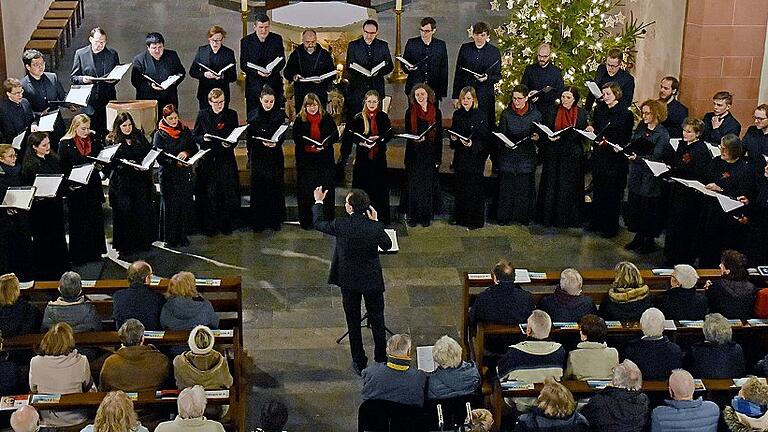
x=561, y=188
x=314, y=133
x=86, y=218
x=422, y=156
x=370, y=170
x=174, y=138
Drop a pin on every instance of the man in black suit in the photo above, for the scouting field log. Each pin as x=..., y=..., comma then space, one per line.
x=429, y=58
x=92, y=61
x=213, y=56
x=611, y=70
x=484, y=59
x=356, y=269
x=40, y=89
x=309, y=60
x=669, y=89
x=260, y=48
x=367, y=51
x=537, y=77
x=158, y=64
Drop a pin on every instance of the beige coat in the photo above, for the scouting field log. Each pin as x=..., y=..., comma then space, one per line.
x=199, y=424
x=208, y=370
x=64, y=374
x=591, y=360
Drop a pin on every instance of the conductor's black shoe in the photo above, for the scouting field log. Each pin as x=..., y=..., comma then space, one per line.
x=358, y=369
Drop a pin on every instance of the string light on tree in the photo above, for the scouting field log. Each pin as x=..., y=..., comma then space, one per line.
x=495, y=5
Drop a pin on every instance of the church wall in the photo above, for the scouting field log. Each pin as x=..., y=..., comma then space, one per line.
x=20, y=19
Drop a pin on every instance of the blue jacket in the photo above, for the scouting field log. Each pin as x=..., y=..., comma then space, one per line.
x=382, y=382
x=184, y=313
x=453, y=382
x=685, y=415
x=138, y=302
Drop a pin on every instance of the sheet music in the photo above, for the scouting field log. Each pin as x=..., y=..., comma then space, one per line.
x=507, y=142
x=213, y=71
x=675, y=143
x=424, y=359
x=457, y=135
x=235, y=134
x=276, y=136
x=19, y=197
x=477, y=75
x=268, y=68
x=46, y=122
x=522, y=276
x=727, y=203
x=589, y=135
x=550, y=133
x=116, y=74
x=657, y=168
x=191, y=161
x=478, y=276
x=79, y=95
x=169, y=81
x=317, y=78
x=146, y=163
x=47, y=185
x=366, y=72
x=715, y=150
x=393, y=237
x=594, y=89
x=107, y=153
x=406, y=63
x=81, y=173
x=16, y=143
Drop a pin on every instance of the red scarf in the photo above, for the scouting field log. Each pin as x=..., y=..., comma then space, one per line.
x=83, y=145
x=173, y=132
x=428, y=116
x=314, y=131
x=373, y=131
x=566, y=117
x=521, y=112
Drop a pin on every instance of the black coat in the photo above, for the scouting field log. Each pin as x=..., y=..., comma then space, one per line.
x=300, y=62
x=611, y=310
x=656, y=358
x=503, y=303
x=85, y=65
x=159, y=70
x=356, y=266
x=216, y=62
x=322, y=159
x=472, y=124
x=15, y=118
x=615, y=125
x=717, y=361
x=19, y=318
x=536, y=77
x=623, y=78
x=563, y=307
x=729, y=126
x=733, y=299
x=641, y=180
x=756, y=145
x=616, y=409
x=522, y=159
x=266, y=161
x=682, y=304
x=431, y=63
x=252, y=50
x=485, y=60
x=676, y=114
x=367, y=56
x=40, y=92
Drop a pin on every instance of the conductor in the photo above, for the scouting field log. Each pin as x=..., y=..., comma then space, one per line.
x=356, y=269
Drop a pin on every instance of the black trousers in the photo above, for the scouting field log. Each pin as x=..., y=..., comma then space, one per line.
x=374, y=305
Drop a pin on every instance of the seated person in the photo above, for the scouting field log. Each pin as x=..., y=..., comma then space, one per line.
x=395, y=380
x=481, y=420
x=11, y=378
x=60, y=369
x=133, y=359
x=567, y=303
x=536, y=358
x=17, y=316
x=185, y=307
x=681, y=301
x=747, y=412
x=201, y=365
x=273, y=416
x=115, y=414
x=592, y=359
x=628, y=297
x=191, y=406
x=71, y=307
x=683, y=413
x=25, y=419
x=453, y=377
x=504, y=302
x=718, y=356
x=555, y=410
x=733, y=295
x=621, y=406
x=138, y=301
x=654, y=353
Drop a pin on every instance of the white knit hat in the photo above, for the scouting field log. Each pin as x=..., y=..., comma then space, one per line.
x=191, y=341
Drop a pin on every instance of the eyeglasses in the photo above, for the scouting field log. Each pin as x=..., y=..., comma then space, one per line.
x=426, y=30
x=18, y=92
x=216, y=40
x=217, y=102
x=756, y=118
x=374, y=33
x=612, y=66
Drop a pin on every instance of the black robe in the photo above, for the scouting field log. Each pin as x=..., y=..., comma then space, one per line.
x=420, y=161
x=300, y=62
x=643, y=207
x=159, y=70
x=216, y=62
x=15, y=231
x=49, y=243
x=536, y=77
x=176, y=187
x=624, y=79
x=315, y=168
x=40, y=93
x=267, y=169
x=367, y=56
x=131, y=196
x=252, y=50
x=431, y=63
x=468, y=164
x=15, y=118
x=729, y=126
x=485, y=60
x=87, y=63
x=218, y=184
x=561, y=187
x=757, y=211
x=756, y=146
x=676, y=114
x=86, y=217
x=370, y=170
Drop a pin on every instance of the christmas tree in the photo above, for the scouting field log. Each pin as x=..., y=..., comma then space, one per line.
x=580, y=31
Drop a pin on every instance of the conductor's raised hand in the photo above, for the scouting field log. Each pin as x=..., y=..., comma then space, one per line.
x=372, y=214
x=319, y=193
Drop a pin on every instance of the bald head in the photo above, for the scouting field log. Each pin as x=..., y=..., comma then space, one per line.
x=25, y=419
x=681, y=385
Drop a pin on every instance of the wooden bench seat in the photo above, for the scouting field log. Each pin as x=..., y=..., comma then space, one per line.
x=57, y=33
x=68, y=15
x=68, y=5
x=57, y=24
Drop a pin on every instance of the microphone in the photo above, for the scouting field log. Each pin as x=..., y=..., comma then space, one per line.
x=440, y=421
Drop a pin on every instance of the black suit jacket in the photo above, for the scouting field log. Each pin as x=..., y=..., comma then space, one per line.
x=432, y=70
x=83, y=65
x=356, y=265
x=359, y=84
x=204, y=56
x=52, y=91
x=261, y=54
x=169, y=64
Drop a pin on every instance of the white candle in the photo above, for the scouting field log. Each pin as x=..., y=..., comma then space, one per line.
x=244, y=5
x=399, y=5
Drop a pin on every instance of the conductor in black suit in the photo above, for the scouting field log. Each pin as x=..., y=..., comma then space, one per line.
x=93, y=61
x=356, y=269
x=367, y=51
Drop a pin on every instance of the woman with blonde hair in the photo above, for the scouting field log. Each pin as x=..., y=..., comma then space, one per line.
x=747, y=412
x=115, y=414
x=185, y=307
x=17, y=315
x=453, y=377
x=86, y=219
x=628, y=297
x=555, y=410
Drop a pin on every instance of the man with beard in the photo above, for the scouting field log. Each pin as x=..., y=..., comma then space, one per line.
x=544, y=80
x=669, y=89
x=306, y=61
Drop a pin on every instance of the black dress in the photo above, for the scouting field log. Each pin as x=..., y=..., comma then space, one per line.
x=267, y=169
x=218, y=185
x=15, y=231
x=15, y=118
x=370, y=169
x=561, y=187
x=468, y=164
x=315, y=167
x=216, y=61
x=176, y=186
x=420, y=161
x=131, y=196
x=49, y=243
x=86, y=217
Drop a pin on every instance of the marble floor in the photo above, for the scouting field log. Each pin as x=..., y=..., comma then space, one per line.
x=292, y=316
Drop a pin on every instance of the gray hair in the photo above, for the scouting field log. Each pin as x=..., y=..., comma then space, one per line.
x=571, y=281
x=447, y=352
x=652, y=322
x=131, y=332
x=25, y=419
x=70, y=285
x=681, y=384
x=686, y=275
x=191, y=402
x=627, y=375
x=717, y=329
x=540, y=324
x=399, y=345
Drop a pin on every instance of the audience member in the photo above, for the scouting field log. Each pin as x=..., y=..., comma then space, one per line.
x=273, y=416
x=201, y=365
x=395, y=380
x=25, y=419
x=138, y=301
x=504, y=302
x=555, y=410
x=534, y=359
x=71, y=307
x=621, y=406
x=567, y=303
x=733, y=295
x=11, y=382
x=683, y=413
x=480, y=420
x=191, y=405
x=115, y=414
x=133, y=359
x=628, y=296
x=185, y=307
x=718, y=356
x=60, y=369
x=453, y=377
x=17, y=316
x=592, y=359
x=654, y=353
x=681, y=301
x=747, y=412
